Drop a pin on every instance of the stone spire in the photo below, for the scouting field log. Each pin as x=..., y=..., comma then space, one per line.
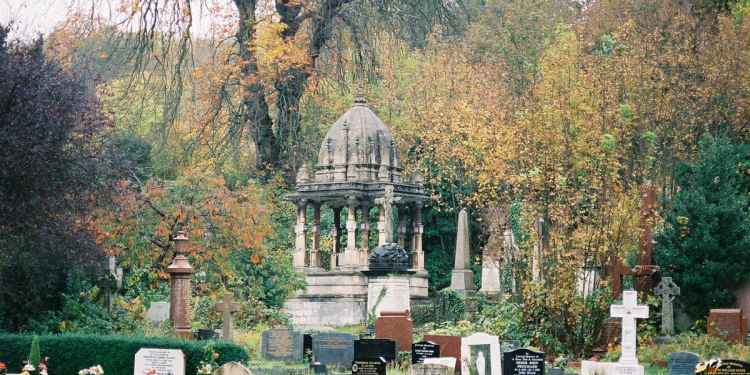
x=462, y=278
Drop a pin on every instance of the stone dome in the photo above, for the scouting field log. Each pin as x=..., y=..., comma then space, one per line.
x=358, y=148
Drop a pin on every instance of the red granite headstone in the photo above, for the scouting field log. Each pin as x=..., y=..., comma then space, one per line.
x=727, y=324
x=397, y=326
x=450, y=346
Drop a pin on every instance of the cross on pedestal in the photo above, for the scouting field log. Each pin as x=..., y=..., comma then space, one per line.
x=667, y=290
x=629, y=311
x=227, y=307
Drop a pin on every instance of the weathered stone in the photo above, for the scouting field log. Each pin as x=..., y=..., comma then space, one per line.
x=667, y=290
x=727, y=324
x=450, y=346
x=388, y=293
x=430, y=369
x=232, y=368
x=227, y=307
x=282, y=345
x=332, y=348
x=158, y=312
x=462, y=278
x=180, y=272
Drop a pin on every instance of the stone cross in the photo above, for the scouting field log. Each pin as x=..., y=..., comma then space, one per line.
x=227, y=307
x=667, y=290
x=629, y=311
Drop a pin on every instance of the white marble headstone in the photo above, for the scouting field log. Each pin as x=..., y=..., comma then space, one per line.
x=483, y=349
x=158, y=312
x=163, y=361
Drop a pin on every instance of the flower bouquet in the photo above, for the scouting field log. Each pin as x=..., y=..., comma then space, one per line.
x=205, y=368
x=93, y=370
x=3, y=368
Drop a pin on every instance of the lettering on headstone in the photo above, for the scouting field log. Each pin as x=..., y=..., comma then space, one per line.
x=162, y=361
x=282, y=345
x=682, y=363
x=424, y=349
x=523, y=362
x=369, y=367
x=333, y=348
x=723, y=367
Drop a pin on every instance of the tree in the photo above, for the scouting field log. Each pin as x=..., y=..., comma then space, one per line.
x=705, y=245
x=51, y=165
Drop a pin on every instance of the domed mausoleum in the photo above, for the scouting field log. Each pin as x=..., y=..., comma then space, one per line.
x=358, y=172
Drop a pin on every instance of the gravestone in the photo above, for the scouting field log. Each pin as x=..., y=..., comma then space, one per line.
x=333, y=348
x=480, y=354
x=424, y=349
x=430, y=369
x=443, y=361
x=523, y=362
x=462, y=278
x=232, y=368
x=629, y=311
x=372, y=349
x=450, y=346
x=727, y=324
x=158, y=312
x=282, y=345
x=397, y=326
x=555, y=371
x=667, y=290
x=723, y=367
x=162, y=361
x=318, y=368
x=682, y=363
x=374, y=366
x=227, y=307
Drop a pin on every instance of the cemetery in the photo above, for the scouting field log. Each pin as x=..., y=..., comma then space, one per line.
x=367, y=187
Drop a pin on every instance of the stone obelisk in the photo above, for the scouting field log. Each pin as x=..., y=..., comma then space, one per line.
x=462, y=278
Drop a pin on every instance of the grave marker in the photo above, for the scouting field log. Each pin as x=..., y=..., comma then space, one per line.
x=727, y=324
x=667, y=290
x=232, y=368
x=523, y=362
x=424, y=349
x=369, y=366
x=450, y=346
x=333, y=348
x=162, y=361
x=480, y=354
x=158, y=312
x=227, y=307
x=282, y=345
x=682, y=363
x=372, y=349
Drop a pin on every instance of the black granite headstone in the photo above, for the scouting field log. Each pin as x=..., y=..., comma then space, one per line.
x=424, y=349
x=523, y=362
x=369, y=366
x=318, y=368
x=331, y=348
x=682, y=363
x=372, y=349
x=282, y=345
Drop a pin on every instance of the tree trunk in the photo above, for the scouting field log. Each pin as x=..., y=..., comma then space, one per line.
x=267, y=149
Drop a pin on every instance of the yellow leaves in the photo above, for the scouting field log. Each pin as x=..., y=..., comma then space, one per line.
x=277, y=54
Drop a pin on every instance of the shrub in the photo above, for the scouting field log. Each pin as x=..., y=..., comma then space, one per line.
x=116, y=354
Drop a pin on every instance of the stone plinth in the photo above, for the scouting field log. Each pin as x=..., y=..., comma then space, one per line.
x=180, y=273
x=395, y=290
x=462, y=280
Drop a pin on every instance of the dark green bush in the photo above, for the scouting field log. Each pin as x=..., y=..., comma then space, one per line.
x=116, y=354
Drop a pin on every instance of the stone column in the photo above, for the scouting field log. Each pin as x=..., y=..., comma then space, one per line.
x=462, y=278
x=364, y=234
x=301, y=235
x=350, y=254
x=180, y=273
x=315, y=246
x=336, y=234
x=402, y=226
x=417, y=229
x=381, y=226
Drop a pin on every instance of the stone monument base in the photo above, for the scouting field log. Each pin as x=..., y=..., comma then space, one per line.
x=462, y=280
x=610, y=368
x=388, y=293
x=340, y=298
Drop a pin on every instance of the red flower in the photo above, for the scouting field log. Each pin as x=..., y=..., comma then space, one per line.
x=2, y=366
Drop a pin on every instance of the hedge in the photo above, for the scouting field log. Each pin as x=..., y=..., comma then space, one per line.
x=116, y=354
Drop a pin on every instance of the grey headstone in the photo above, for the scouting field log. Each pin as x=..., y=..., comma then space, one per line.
x=158, y=312
x=331, y=348
x=682, y=363
x=430, y=369
x=232, y=368
x=282, y=345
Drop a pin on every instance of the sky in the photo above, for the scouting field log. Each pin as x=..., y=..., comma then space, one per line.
x=32, y=17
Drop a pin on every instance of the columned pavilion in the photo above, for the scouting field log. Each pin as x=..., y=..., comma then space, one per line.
x=357, y=173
